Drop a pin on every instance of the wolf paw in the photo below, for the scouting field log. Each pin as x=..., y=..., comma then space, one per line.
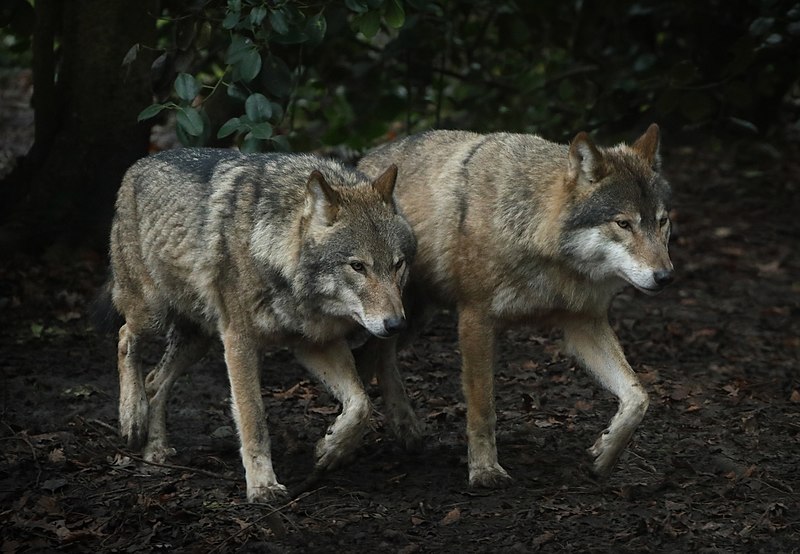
x=409, y=433
x=331, y=455
x=157, y=453
x=267, y=493
x=605, y=453
x=133, y=425
x=489, y=477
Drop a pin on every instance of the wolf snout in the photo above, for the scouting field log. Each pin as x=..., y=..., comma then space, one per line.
x=663, y=277
x=394, y=325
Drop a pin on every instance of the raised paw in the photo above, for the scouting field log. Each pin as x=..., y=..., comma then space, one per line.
x=489, y=477
x=605, y=452
x=332, y=453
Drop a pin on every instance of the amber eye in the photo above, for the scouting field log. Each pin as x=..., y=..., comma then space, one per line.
x=624, y=223
x=358, y=266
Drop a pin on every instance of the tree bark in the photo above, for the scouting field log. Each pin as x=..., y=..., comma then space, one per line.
x=86, y=133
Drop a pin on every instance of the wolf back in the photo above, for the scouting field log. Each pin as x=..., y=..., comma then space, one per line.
x=515, y=229
x=255, y=249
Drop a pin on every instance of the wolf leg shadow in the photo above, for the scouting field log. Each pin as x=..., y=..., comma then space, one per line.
x=378, y=358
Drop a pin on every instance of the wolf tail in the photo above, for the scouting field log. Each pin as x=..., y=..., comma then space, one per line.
x=104, y=316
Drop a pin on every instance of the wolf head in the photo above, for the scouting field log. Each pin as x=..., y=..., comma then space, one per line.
x=357, y=250
x=617, y=223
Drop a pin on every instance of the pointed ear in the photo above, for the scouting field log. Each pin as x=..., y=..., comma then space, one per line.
x=647, y=146
x=384, y=184
x=586, y=164
x=321, y=200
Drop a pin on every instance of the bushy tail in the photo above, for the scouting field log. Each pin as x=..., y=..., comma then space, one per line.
x=104, y=316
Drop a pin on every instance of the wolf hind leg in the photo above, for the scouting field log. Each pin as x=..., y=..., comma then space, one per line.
x=596, y=347
x=334, y=365
x=133, y=405
x=378, y=357
x=186, y=344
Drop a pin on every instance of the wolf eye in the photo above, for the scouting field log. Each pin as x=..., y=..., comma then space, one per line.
x=663, y=221
x=399, y=265
x=358, y=266
x=624, y=223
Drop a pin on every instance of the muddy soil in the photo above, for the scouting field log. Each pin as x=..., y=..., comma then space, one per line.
x=713, y=467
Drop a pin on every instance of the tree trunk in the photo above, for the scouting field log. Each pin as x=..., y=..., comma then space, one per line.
x=86, y=133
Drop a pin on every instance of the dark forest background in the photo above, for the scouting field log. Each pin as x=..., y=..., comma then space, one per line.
x=345, y=75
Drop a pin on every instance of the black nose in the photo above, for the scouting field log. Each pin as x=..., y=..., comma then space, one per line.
x=664, y=277
x=394, y=324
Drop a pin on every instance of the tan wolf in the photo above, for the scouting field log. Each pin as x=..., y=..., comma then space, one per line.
x=513, y=229
x=257, y=249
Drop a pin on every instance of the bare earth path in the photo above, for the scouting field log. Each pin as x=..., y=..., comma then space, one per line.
x=714, y=467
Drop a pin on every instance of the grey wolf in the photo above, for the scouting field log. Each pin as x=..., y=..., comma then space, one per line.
x=514, y=229
x=258, y=250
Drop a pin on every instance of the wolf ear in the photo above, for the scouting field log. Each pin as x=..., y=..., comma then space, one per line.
x=586, y=164
x=384, y=184
x=647, y=146
x=321, y=200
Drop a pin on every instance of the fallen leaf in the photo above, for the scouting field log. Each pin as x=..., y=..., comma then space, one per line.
x=452, y=516
x=795, y=397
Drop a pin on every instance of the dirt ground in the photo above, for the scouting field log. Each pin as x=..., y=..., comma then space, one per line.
x=713, y=467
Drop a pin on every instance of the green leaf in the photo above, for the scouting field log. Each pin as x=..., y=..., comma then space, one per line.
x=369, y=23
x=258, y=108
x=315, y=28
x=130, y=57
x=229, y=127
x=394, y=14
x=257, y=15
x=231, y=20
x=277, y=20
x=150, y=111
x=251, y=144
x=190, y=121
x=277, y=111
x=250, y=65
x=281, y=143
x=237, y=92
x=261, y=131
x=186, y=86
x=277, y=77
x=239, y=48
x=357, y=6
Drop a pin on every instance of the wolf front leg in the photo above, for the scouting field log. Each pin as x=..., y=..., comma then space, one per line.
x=596, y=347
x=378, y=357
x=476, y=337
x=241, y=357
x=333, y=363
x=133, y=406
